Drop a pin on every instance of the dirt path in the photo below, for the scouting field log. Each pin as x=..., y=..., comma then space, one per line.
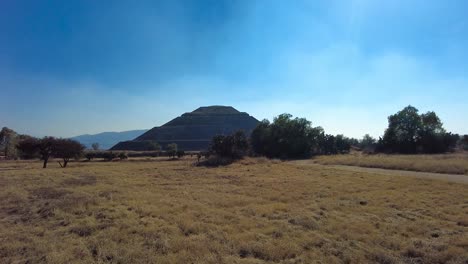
x=424, y=175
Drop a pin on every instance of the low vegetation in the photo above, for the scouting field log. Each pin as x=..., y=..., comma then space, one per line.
x=252, y=211
x=441, y=163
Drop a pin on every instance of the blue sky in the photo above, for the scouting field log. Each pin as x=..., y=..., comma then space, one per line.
x=76, y=67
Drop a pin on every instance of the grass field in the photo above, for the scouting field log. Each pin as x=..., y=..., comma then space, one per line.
x=444, y=163
x=253, y=211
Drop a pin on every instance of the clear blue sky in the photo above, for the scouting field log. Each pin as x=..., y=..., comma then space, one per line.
x=75, y=67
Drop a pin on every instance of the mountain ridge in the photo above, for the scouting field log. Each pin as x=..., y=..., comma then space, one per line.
x=108, y=139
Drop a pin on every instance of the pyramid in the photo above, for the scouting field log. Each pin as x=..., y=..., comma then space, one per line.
x=193, y=131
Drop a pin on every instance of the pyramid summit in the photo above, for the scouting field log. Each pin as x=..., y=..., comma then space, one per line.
x=194, y=130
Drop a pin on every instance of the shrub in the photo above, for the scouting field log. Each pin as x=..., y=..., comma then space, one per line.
x=233, y=146
x=171, y=150
x=108, y=155
x=180, y=153
x=123, y=156
x=90, y=155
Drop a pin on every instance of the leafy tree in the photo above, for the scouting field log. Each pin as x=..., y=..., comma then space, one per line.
x=367, y=143
x=403, y=130
x=464, y=142
x=171, y=150
x=231, y=146
x=180, y=153
x=8, y=141
x=28, y=148
x=90, y=155
x=108, y=155
x=327, y=144
x=67, y=149
x=409, y=132
x=343, y=144
x=285, y=137
x=46, y=149
x=261, y=138
x=154, y=146
x=95, y=146
x=123, y=156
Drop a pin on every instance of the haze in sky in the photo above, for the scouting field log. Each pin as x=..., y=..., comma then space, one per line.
x=75, y=67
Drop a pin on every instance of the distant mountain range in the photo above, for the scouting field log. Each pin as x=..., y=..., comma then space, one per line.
x=108, y=139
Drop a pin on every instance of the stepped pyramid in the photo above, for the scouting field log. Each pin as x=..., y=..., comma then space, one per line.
x=193, y=131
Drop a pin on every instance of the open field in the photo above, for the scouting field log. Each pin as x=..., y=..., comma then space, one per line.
x=253, y=211
x=443, y=163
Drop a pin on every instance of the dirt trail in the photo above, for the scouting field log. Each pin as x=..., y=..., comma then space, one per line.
x=424, y=175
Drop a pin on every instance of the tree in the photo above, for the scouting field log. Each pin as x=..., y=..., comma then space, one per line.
x=46, y=149
x=123, y=156
x=8, y=141
x=402, y=132
x=153, y=145
x=95, y=146
x=327, y=144
x=260, y=138
x=180, y=153
x=171, y=150
x=464, y=142
x=90, y=155
x=343, y=144
x=409, y=132
x=285, y=137
x=231, y=146
x=28, y=148
x=367, y=143
x=67, y=149
x=108, y=155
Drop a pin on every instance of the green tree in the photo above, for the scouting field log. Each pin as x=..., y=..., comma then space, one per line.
x=367, y=143
x=403, y=130
x=8, y=141
x=153, y=146
x=171, y=150
x=28, y=148
x=231, y=146
x=285, y=137
x=343, y=144
x=409, y=132
x=67, y=149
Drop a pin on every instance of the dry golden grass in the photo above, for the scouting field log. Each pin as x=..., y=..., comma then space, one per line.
x=253, y=211
x=444, y=163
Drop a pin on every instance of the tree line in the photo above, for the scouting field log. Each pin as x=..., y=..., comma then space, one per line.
x=285, y=137
x=408, y=132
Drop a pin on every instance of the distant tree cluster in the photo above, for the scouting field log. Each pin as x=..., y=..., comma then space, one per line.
x=50, y=147
x=171, y=150
x=105, y=155
x=295, y=138
x=230, y=146
x=411, y=132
